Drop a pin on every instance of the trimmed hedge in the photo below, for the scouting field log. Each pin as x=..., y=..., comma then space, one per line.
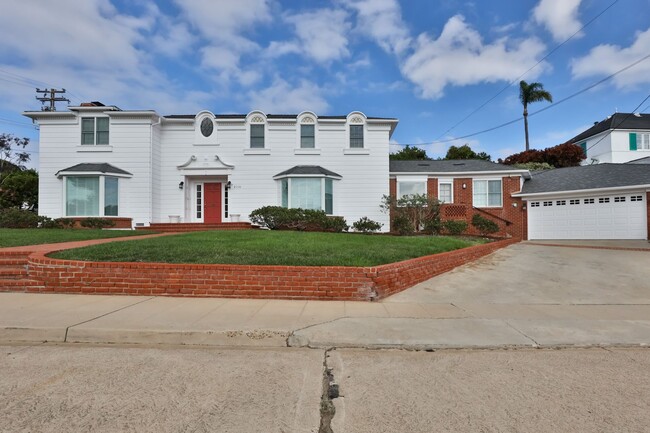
x=280, y=218
x=366, y=225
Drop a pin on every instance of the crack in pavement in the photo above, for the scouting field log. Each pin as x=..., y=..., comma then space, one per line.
x=535, y=343
x=65, y=337
x=330, y=392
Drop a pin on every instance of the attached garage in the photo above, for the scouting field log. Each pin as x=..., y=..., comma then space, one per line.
x=619, y=216
x=604, y=201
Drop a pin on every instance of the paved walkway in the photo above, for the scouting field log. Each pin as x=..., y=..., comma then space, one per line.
x=48, y=248
x=423, y=317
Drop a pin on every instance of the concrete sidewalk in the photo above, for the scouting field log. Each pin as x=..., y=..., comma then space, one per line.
x=274, y=323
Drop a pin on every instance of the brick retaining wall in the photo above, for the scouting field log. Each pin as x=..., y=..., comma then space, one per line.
x=246, y=281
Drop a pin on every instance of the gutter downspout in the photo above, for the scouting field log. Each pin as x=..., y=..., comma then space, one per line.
x=151, y=167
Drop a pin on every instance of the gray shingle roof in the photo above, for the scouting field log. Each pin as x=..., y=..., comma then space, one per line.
x=448, y=166
x=588, y=177
x=316, y=170
x=615, y=121
x=95, y=168
x=645, y=160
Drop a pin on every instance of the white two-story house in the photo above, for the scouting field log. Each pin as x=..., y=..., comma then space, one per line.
x=139, y=167
x=621, y=138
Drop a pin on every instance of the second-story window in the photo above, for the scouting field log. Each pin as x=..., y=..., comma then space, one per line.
x=356, y=136
x=257, y=136
x=94, y=130
x=307, y=137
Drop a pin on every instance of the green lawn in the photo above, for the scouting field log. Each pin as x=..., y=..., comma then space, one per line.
x=262, y=247
x=18, y=237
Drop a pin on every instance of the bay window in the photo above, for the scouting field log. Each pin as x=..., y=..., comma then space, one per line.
x=308, y=193
x=487, y=193
x=91, y=196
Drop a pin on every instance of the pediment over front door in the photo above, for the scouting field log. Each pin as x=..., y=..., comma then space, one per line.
x=207, y=163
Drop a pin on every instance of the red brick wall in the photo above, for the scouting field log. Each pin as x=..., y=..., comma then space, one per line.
x=238, y=281
x=510, y=219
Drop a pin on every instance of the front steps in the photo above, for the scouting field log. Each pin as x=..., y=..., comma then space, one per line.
x=196, y=227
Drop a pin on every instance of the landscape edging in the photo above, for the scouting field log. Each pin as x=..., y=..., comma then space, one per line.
x=246, y=281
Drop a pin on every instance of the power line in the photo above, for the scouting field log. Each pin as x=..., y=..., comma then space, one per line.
x=527, y=71
x=22, y=80
x=591, y=86
x=26, y=125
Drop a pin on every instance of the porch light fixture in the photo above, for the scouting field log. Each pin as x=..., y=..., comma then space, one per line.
x=228, y=185
x=464, y=186
x=181, y=185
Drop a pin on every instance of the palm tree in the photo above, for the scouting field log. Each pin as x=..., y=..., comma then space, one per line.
x=529, y=93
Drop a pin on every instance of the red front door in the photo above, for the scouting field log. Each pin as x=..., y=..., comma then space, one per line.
x=212, y=203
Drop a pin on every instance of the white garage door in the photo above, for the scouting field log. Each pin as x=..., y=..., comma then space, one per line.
x=596, y=217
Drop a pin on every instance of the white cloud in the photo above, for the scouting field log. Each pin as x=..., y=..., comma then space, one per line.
x=560, y=17
x=607, y=59
x=459, y=57
x=322, y=35
x=382, y=21
x=283, y=97
x=103, y=56
x=223, y=25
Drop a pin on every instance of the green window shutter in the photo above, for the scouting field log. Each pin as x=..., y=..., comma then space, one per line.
x=584, y=147
x=632, y=140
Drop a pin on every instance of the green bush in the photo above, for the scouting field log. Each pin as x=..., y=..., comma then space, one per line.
x=65, y=223
x=484, y=225
x=96, y=223
x=47, y=223
x=455, y=227
x=422, y=211
x=14, y=218
x=366, y=225
x=280, y=218
x=433, y=226
x=402, y=224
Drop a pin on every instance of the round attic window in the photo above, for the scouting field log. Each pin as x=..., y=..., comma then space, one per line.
x=207, y=127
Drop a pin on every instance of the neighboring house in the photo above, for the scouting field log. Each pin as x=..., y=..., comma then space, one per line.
x=138, y=168
x=622, y=137
x=602, y=201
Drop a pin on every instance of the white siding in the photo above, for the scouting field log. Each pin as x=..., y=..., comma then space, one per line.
x=613, y=147
x=152, y=194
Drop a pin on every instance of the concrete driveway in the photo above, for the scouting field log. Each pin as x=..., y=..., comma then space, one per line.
x=532, y=274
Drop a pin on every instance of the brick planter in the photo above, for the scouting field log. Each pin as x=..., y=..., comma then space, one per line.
x=245, y=281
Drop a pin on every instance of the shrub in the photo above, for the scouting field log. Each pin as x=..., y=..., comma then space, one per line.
x=455, y=227
x=96, y=223
x=422, y=211
x=366, y=225
x=402, y=224
x=47, y=223
x=65, y=223
x=433, y=226
x=484, y=225
x=14, y=218
x=335, y=224
x=280, y=218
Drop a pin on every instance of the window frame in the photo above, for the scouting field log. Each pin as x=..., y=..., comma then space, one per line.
x=487, y=192
x=643, y=141
x=362, y=138
x=101, y=196
x=95, y=130
x=414, y=180
x=301, y=144
x=286, y=187
x=257, y=126
x=451, y=189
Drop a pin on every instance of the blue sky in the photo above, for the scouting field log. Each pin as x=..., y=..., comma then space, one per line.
x=429, y=63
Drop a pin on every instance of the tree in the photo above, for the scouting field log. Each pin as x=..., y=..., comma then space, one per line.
x=409, y=153
x=19, y=189
x=11, y=155
x=562, y=155
x=465, y=152
x=529, y=93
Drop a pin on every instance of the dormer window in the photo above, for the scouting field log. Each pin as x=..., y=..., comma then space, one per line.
x=356, y=136
x=94, y=130
x=257, y=136
x=307, y=137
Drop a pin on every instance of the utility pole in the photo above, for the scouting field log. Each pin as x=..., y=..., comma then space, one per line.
x=52, y=98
